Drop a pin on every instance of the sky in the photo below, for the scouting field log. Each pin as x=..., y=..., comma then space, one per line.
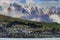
x=40, y=2
x=29, y=0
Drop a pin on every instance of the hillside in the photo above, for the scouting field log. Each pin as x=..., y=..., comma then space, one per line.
x=19, y=28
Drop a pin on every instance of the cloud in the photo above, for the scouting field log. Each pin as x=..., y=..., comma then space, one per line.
x=36, y=19
x=55, y=18
x=47, y=0
x=2, y=2
x=29, y=1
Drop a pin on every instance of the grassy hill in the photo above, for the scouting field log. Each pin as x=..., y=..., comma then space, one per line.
x=19, y=28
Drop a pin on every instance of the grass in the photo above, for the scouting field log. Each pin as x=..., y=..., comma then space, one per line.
x=39, y=25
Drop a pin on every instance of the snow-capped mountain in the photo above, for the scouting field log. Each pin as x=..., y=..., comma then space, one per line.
x=29, y=11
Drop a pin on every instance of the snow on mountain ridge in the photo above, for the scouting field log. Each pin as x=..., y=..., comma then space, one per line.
x=30, y=12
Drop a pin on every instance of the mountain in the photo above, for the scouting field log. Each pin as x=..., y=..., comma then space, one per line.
x=30, y=12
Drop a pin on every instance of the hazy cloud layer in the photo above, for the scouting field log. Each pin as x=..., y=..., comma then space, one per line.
x=55, y=18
